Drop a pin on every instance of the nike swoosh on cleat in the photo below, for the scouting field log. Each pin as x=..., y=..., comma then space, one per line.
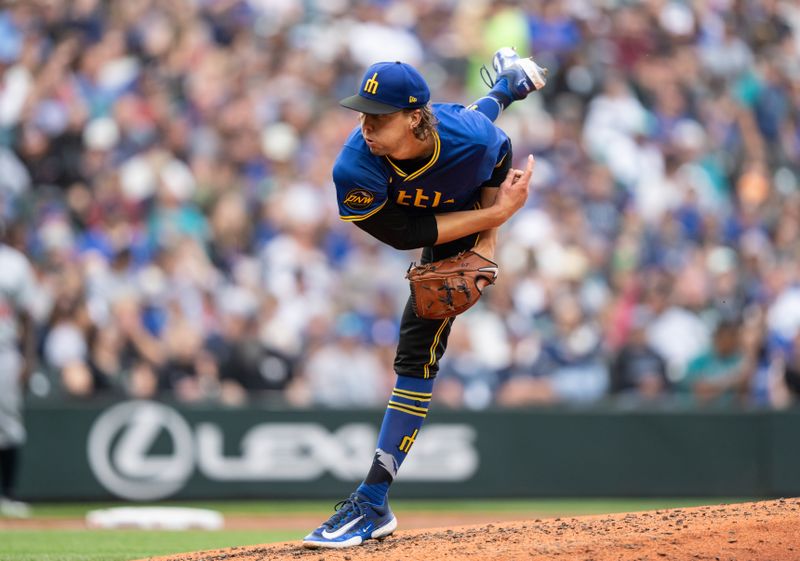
x=341, y=531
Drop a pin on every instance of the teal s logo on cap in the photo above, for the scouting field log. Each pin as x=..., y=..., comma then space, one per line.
x=388, y=87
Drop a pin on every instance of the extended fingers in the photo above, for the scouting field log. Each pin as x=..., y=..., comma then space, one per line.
x=529, y=167
x=516, y=175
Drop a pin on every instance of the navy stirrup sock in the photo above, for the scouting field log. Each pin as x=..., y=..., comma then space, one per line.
x=404, y=416
x=502, y=92
x=498, y=98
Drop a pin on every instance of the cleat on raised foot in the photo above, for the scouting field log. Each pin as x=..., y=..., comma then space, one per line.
x=522, y=74
x=355, y=521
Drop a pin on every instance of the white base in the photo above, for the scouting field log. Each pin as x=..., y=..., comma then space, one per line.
x=155, y=517
x=14, y=509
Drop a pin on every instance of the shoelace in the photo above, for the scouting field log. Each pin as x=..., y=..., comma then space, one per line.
x=486, y=77
x=343, y=509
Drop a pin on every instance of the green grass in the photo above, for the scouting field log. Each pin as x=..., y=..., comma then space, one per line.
x=121, y=545
x=553, y=507
x=125, y=545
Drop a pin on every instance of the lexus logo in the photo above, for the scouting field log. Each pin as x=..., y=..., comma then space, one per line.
x=128, y=455
x=120, y=450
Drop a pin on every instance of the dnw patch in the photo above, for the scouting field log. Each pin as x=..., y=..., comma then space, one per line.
x=358, y=199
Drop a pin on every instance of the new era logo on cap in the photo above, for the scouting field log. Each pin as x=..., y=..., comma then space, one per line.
x=388, y=87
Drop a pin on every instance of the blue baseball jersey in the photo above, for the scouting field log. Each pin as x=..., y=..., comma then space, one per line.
x=467, y=148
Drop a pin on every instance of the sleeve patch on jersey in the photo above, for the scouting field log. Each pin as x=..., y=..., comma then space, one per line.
x=358, y=199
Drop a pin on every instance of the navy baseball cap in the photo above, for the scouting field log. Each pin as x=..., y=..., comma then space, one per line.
x=388, y=87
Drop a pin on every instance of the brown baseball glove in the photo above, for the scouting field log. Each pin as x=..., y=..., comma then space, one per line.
x=446, y=288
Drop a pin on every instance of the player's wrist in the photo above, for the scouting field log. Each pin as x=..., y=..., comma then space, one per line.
x=497, y=215
x=485, y=247
x=484, y=251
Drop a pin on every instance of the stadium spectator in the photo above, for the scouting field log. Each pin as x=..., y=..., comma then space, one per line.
x=249, y=370
x=721, y=372
x=570, y=367
x=791, y=370
x=155, y=156
x=675, y=332
x=466, y=380
x=638, y=372
x=344, y=372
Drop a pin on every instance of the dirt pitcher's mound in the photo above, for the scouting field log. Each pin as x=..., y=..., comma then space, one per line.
x=763, y=531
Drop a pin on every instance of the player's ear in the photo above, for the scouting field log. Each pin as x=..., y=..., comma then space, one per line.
x=416, y=119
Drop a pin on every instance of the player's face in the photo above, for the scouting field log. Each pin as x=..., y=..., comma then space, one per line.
x=386, y=134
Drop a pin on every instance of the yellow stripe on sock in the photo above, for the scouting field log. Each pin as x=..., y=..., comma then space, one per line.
x=398, y=408
x=415, y=408
x=419, y=396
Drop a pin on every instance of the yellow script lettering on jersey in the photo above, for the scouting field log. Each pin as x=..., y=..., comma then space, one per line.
x=419, y=199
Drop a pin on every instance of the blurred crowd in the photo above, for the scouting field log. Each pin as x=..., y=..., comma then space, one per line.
x=166, y=166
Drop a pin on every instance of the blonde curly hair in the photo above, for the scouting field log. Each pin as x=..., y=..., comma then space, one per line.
x=427, y=123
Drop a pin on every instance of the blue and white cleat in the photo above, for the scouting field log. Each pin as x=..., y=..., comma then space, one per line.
x=523, y=74
x=354, y=521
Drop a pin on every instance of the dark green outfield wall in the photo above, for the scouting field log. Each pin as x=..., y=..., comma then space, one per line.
x=149, y=451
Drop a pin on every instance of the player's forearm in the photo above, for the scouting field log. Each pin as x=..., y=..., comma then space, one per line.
x=401, y=231
x=454, y=225
x=487, y=239
x=507, y=199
